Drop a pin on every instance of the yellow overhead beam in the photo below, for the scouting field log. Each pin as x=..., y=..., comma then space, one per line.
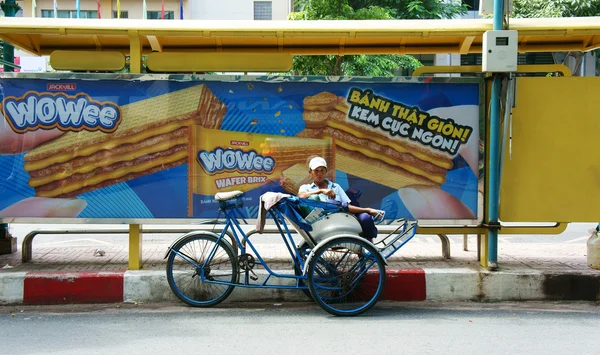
x=206, y=62
x=523, y=68
x=42, y=36
x=83, y=61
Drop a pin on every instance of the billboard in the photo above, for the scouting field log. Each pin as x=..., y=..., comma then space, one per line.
x=160, y=147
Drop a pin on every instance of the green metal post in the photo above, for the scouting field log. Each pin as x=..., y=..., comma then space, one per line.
x=494, y=151
x=10, y=8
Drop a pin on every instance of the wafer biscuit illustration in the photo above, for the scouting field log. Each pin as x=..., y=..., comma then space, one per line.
x=294, y=177
x=369, y=153
x=288, y=151
x=153, y=136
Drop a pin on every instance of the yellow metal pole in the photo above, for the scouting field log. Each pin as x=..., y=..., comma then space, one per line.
x=135, y=52
x=483, y=249
x=135, y=247
x=135, y=237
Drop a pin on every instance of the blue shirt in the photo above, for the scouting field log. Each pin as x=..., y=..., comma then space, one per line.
x=340, y=194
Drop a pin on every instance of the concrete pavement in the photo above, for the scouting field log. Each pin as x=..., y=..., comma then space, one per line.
x=84, y=269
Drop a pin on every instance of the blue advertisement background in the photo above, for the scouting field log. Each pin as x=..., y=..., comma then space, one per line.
x=252, y=107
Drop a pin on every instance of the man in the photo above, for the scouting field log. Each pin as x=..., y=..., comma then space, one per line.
x=326, y=190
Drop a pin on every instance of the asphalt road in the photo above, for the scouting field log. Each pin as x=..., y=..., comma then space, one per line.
x=302, y=328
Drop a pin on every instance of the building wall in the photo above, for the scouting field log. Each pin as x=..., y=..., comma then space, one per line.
x=133, y=7
x=192, y=9
x=235, y=9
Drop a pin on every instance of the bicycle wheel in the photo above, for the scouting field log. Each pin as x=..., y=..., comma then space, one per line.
x=185, y=266
x=346, y=276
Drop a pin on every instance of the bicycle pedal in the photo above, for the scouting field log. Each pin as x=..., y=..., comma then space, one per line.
x=253, y=277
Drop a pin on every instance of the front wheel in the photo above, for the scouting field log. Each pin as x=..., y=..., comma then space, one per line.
x=187, y=265
x=346, y=276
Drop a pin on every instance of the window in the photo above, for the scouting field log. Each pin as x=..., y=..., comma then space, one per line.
x=124, y=14
x=263, y=10
x=70, y=14
x=473, y=5
x=156, y=15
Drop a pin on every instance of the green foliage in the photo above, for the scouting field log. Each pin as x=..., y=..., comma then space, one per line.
x=555, y=8
x=353, y=65
x=365, y=65
x=379, y=9
x=414, y=9
x=558, y=8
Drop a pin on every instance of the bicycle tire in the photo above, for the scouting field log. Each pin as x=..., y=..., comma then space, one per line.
x=346, y=276
x=184, y=278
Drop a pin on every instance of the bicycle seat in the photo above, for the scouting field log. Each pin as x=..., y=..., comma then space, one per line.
x=224, y=196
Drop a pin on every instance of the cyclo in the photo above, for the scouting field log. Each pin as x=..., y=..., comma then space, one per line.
x=343, y=272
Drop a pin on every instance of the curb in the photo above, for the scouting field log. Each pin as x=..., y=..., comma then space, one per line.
x=430, y=284
x=73, y=287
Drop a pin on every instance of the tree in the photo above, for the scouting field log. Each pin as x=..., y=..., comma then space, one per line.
x=415, y=9
x=555, y=8
x=558, y=8
x=364, y=65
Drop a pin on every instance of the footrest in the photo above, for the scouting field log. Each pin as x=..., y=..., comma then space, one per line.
x=395, y=240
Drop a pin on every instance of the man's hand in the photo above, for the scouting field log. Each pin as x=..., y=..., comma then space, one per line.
x=375, y=213
x=45, y=207
x=15, y=143
x=327, y=192
x=425, y=202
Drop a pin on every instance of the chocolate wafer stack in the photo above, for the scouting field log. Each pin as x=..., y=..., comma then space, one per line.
x=152, y=136
x=370, y=153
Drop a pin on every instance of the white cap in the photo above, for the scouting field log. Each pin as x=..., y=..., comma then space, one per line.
x=317, y=162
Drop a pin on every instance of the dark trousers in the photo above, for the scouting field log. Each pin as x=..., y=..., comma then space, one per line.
x=368, y=225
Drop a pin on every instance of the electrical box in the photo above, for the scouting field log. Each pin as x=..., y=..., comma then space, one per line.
x=500, y=51
x=486, y=7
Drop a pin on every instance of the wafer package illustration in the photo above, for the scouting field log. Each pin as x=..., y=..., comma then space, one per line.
x=142, y=147
x=366, y=148
x=152, y=136
x=224, y=160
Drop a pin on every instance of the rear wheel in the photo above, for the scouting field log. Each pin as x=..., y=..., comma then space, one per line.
x=346, y=276
x=187, y=265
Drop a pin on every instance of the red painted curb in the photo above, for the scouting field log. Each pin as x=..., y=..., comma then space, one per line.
x=73, y=287
x=405, y=285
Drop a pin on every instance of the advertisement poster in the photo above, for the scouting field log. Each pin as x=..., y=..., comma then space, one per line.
x=145, y=147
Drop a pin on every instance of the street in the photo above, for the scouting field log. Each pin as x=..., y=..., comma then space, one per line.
x=302, y=328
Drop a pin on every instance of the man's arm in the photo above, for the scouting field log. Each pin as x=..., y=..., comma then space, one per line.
x=305, y=192
x=351, y=208
x=355, y=210
x=343, y=197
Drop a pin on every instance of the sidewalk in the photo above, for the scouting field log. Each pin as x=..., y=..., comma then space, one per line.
x=529, y=269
